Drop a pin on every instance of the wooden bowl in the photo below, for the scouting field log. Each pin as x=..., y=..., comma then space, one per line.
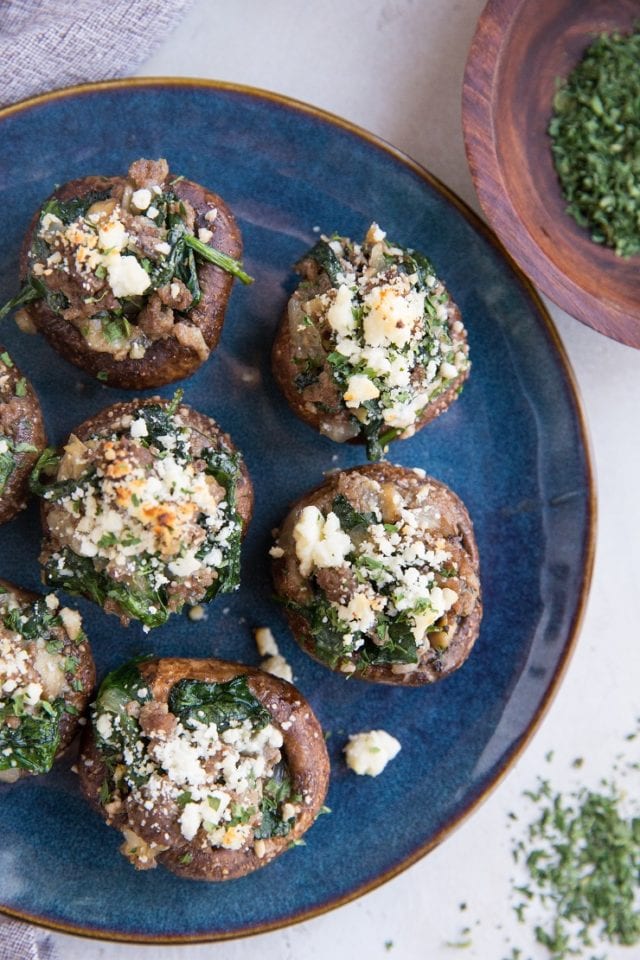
x=519, y=50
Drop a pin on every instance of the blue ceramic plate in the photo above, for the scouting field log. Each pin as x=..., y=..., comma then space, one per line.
x=513, y=447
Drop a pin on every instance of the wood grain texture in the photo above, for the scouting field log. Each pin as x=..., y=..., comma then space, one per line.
x=519, y=50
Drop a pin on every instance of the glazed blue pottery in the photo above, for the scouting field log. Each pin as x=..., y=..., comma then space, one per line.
x=513, y=446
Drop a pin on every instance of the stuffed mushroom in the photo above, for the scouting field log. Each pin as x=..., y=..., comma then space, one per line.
x=129, y=277
x=144, y=510
x=46, y=678
x=209, y=768
x=378, y=573
x=22, y=436
x=371, y=346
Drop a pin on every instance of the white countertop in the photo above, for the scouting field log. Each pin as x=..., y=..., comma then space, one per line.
x=395, y=67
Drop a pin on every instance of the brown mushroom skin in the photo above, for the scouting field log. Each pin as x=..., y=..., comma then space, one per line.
x=304, y=749
x=326, y=406
x=21, y=419
x=208, y=431
x=85, y=674
x=165, y=360
x=291, y=585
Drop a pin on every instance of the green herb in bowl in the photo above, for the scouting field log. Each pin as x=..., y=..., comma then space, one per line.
x=595, y=134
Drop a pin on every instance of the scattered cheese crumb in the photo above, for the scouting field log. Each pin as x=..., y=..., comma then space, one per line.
x=278, y=667
x=72, y=622
x=369, y=752
x=198, y=612
x=265, y=642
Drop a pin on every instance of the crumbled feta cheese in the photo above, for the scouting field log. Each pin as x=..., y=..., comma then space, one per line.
x=112, y=236
x=127, y=278
x=72, y=622
x=319, y=542
x=359, y=389
x=141, y=198
x=340, y=314
x=204, y=234
x=185, y=566
x=448, y=371
x=104, y=725
x=368, y=753
x=138, y=428
x=32, y=694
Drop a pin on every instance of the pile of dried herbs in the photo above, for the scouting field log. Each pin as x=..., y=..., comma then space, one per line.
x=581, y=856
x=595, y=133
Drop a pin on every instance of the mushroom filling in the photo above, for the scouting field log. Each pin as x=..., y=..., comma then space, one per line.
x=39, y=676
x=15, y=409
x=387, y=576
x=375, y=322
x=204, y=770
x=143, y=518
x=120, y=264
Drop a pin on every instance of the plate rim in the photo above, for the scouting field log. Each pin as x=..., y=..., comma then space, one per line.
x=480, y=82
x=481, y=227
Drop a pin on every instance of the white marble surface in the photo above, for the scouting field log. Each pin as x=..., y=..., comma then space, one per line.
x=395, y=67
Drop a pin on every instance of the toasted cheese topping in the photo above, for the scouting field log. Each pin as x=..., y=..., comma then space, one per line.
x=146, y=508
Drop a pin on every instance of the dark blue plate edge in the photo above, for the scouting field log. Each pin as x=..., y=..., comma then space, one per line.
x=555, y=343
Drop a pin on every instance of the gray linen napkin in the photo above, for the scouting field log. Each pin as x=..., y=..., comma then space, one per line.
x=45, y=44
x=21, y=941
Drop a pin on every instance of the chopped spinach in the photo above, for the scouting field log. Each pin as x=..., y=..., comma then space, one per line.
x=32, y=290
x=160, y=423
x=326, y=259
x=415, y=262
x=348, y=516
x=309, y=374
x=7, y=464
x=33, y=743
x=115, y=327
x=225, y=467
x=222, y=260
x=70, y=210
x=31, y=621
x=224, y=704
x=79, y=576
x=326, y=626
x=42, y=481
x=397, y=642
x=120, y=687
x=276, y=791
x=180, y=262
